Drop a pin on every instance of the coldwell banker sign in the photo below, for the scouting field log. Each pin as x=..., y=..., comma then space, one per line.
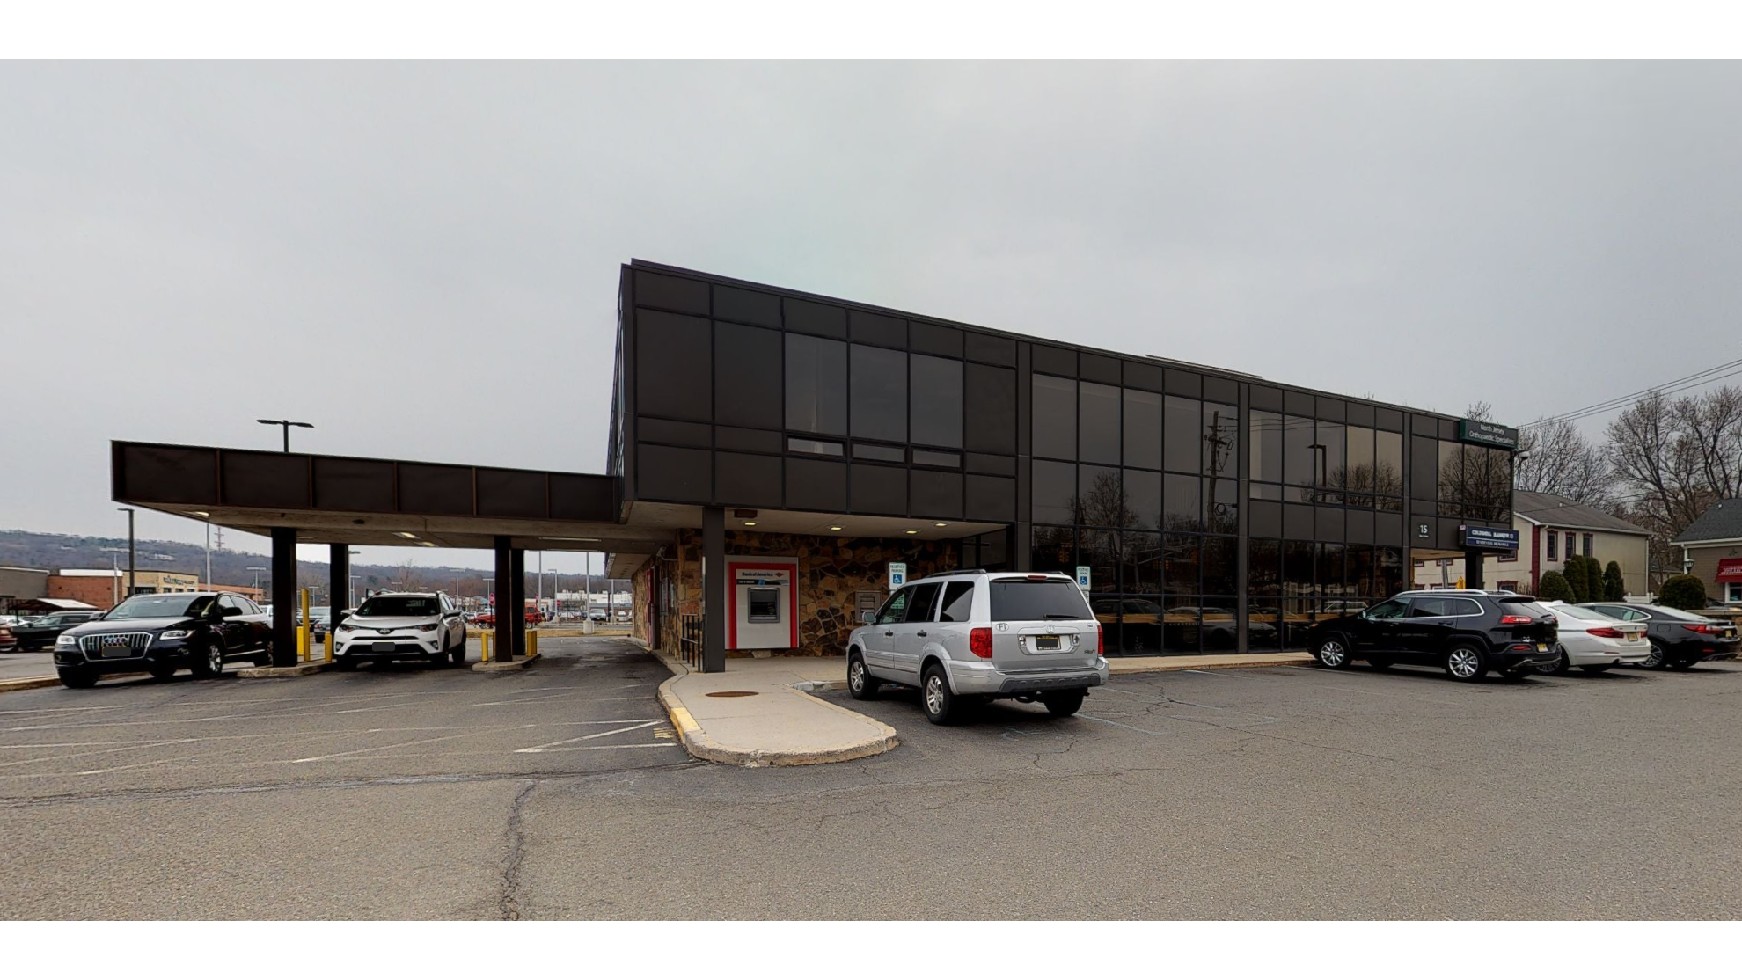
x=1491, y=538
x=1487, y=433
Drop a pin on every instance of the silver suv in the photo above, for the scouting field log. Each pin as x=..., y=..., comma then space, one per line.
x=972, y=636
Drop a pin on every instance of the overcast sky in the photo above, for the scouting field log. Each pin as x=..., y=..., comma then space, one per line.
x=185, y=248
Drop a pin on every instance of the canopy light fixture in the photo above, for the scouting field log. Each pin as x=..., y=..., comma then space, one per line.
x=404, y=534
x=552, y=537
x=942, y=524
x=200, y=513
x=749, y=523
x=910, y=531
x=836, y=527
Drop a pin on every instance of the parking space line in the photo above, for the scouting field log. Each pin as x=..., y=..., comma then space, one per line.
x=615, y=731
x=1120, y=724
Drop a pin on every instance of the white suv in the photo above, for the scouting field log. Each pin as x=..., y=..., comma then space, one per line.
x=402, y=626
x=973, y=636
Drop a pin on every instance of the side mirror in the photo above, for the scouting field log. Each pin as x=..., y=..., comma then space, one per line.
x=867, y=616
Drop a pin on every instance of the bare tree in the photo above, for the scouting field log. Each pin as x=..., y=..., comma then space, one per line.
x=1555, y=457
x=1676, y=458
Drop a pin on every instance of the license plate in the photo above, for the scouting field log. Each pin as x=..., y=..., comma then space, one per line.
x=1046, y=643
x=384, y=646
x=1542, y=648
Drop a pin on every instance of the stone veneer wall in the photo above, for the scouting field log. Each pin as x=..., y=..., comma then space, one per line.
x=830, y=571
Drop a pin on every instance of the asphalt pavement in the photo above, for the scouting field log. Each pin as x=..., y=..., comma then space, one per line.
x=1267, y=793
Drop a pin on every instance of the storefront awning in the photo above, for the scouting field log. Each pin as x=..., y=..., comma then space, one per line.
x=1730, y=569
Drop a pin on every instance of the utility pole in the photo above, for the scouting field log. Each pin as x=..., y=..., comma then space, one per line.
x=114, y=576
x=208, y=554
x=132, y=562
x=257, y=569
x=285, y=424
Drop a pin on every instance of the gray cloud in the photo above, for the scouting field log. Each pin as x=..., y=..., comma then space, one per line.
x=187, y=247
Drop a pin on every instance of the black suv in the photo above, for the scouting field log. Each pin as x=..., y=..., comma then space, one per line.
x=1678, y=639
x=39, y=632
x=1467, y=632
x=160, y=634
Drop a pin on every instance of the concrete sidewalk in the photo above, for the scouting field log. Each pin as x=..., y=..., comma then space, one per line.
x=756, y=713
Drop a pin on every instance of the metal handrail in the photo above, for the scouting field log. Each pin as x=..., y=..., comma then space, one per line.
x=689, y=640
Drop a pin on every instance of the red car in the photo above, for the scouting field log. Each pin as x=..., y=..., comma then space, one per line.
x=8, y=642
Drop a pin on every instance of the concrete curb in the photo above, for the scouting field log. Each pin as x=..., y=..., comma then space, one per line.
x=500, y=665
x=28, y=683
x=1227, y=663
x=300, y=670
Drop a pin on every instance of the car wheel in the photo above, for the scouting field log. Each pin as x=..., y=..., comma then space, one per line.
x=440, y=657
x=77, y=677
x=1596, y=669
x=860, y=684
x=161, y=672
x=458, y=654
x=1653, y=660
x=1332, y=652
x=940, y=703
x=1063, y=704
x=211, y=661
x=1465, y=663
x=1560, y=666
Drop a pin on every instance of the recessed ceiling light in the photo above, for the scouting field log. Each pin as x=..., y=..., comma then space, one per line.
x=552, y=537
x=836, y=527
x=201, y=513
x=749, y=523
x=427, y=544
x=912, y=532
x=942, y=524
x=404, y=534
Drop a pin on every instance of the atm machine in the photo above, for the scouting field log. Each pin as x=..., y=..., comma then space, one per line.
x=763, y=602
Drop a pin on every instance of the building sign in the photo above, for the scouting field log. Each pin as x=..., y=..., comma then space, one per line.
x=764, y=576
x=1487, y=433
x=1421, y=530
x=897, y=575
x=1491, y=538
x=1730, y=569
x=1083, y=577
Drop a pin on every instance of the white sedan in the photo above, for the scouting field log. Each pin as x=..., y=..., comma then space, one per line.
x=1594, y=642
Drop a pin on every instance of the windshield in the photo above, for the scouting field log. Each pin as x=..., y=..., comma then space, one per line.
x=1029, y=599
x=399, y=605
x=160, y=607
x=1581, y=613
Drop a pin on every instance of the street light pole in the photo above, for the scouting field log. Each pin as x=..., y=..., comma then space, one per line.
x=257, y=569
x=132, y=563
x=285, y=424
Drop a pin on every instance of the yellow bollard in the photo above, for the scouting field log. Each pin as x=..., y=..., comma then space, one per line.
x=302, y=644
x=305, y=639
x=329, y=643
x=531, y=644
x=485, y=636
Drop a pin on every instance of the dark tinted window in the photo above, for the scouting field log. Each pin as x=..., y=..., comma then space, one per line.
x=1182, y=503
x=991, y=409
x=895, y=608
x=1054, y=489
x=399, y=605
x=1099, y=499
x=1300, y=462
x=879, y=387
x=746, y=376
x=958, y=604
x=1027, y=599
x=919, y=607
x=1182, y=443
x=1098, y=421
x=816, y=385
x=1221, y=438
x=674, y=366
x=1664, y=612
x=1264, y=442
x=1055, y=417
x=1142, y=429
x=1142, y=498
x=937, y=401
x=1389, y=609
x=1388, y=464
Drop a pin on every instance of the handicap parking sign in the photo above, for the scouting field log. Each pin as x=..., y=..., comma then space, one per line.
x=897, y=574
x=1083, y=577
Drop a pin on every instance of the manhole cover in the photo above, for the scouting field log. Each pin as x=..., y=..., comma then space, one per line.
x=731, y=694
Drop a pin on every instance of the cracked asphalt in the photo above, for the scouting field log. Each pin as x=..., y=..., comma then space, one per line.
x=1274, y=793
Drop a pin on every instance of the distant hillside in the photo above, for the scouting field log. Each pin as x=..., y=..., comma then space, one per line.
x=31, y=549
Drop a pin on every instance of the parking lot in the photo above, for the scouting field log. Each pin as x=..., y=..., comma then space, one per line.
x=559, y=792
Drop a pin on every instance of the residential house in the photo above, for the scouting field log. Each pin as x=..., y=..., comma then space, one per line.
x=1551, y=528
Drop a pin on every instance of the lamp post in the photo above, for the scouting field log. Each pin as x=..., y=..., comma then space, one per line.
x=285, y=424
x=114, y=575
x=257, y=569
x=131, y=562
x=350, y=592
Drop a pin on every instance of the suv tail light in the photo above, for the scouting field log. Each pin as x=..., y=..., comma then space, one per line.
x=980, y=641
x=1510, y=620
x=1701, y=628
x=1607, y=632
x=1100, y=640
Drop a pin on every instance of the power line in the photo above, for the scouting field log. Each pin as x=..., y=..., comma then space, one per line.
x=1706, y=376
